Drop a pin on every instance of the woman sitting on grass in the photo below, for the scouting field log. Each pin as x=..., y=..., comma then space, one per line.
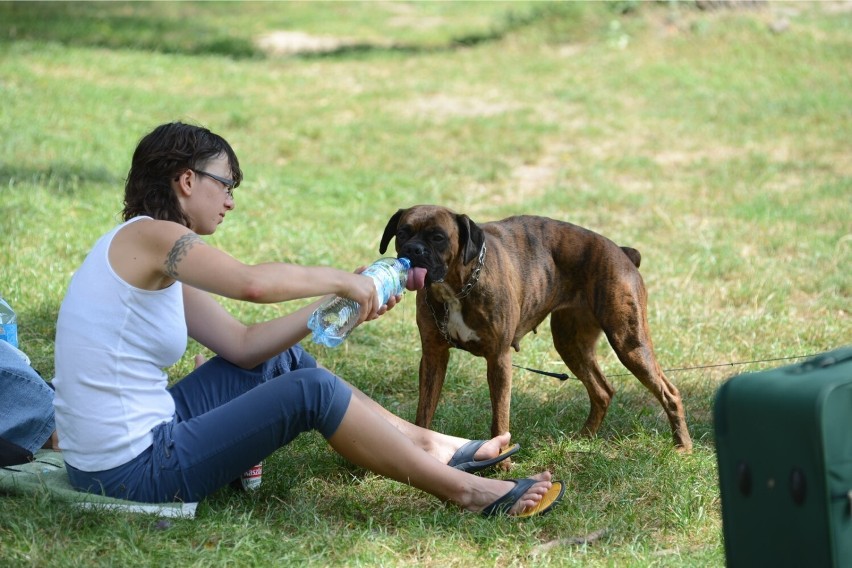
x=148, y=284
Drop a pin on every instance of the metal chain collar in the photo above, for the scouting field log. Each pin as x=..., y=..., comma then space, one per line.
x=474, y=278
x=442, y=326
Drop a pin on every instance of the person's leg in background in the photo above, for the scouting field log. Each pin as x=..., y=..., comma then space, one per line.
x=27, y=419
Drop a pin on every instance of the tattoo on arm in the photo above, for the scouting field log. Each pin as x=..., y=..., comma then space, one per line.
x=179, y=252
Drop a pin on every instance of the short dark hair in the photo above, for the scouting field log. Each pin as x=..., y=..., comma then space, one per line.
x=161, y=156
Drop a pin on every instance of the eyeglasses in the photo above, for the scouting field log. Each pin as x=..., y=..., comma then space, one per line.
x=228, y=183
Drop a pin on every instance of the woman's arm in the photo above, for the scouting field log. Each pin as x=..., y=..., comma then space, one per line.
x=244, y=345
x=152, y=254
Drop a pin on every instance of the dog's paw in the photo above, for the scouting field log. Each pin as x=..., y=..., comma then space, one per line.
x=506, y=465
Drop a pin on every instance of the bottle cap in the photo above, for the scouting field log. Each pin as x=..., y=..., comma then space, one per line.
x=404, y=262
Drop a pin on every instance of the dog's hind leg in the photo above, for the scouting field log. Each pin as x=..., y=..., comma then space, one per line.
x=575, y=337
x=632, y=344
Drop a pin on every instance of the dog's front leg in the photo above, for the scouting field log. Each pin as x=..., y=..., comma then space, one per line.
x=500, y=389
x=433, y=371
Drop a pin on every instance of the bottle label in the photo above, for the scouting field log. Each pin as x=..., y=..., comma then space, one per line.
x=389, y=276
x=251, y=479
x=9, y=334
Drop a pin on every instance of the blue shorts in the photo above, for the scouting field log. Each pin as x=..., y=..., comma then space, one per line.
x=227, y=419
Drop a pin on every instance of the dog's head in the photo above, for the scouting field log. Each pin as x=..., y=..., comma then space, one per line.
x=433, y=238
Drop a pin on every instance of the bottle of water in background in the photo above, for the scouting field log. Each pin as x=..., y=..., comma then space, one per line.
x=332, y=322
x=8, y=323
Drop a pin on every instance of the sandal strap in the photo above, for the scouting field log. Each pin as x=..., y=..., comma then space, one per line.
x=502, y=505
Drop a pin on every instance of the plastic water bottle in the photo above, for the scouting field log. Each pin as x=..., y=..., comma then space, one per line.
x=8, y=323
x=332, y=322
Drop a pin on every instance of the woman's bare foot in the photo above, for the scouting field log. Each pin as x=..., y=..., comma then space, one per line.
x=490, y=449
x=489, y=490
x=200, y=360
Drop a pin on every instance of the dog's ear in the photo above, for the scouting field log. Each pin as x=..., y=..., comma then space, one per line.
x=471, y=238
x=390, y=231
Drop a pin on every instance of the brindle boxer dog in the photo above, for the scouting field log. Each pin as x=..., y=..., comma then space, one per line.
x=487, y=285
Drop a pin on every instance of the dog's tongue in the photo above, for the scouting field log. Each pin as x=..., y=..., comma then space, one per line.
x=416, y=278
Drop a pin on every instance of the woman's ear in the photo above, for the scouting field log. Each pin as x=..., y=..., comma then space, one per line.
x=183, y=183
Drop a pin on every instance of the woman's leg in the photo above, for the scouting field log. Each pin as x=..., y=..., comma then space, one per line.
x=217, y=370
x=368, y=439
x=218, y=445
x=215, y=447
x=440, y=446
x=383, y=441
x=218, y=381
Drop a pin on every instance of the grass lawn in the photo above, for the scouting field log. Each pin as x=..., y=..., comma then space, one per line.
x=714, y=141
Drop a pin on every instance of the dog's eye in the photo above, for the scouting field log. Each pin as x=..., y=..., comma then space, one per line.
x=437, y=238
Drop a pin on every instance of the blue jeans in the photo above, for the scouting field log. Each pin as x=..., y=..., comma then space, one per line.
x=227, y=419
x=26, y=401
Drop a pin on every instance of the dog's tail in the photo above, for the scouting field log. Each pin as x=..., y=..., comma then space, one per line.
x=633, y=255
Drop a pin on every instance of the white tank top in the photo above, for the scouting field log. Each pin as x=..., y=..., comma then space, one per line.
x=113, y=342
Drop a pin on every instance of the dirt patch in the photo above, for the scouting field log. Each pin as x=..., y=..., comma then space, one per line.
x=294, y=43
x=536, y=178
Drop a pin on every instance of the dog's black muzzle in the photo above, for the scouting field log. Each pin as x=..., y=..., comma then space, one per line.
x=421, y=256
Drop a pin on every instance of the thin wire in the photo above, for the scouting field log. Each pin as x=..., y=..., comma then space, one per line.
x=564, y=376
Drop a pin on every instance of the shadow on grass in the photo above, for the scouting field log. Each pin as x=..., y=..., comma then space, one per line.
x=546, y=411
x=116, y=26
x=148, y=27
x=61, y=178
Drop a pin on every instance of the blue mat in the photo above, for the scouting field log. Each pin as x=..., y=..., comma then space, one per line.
x=47, y=473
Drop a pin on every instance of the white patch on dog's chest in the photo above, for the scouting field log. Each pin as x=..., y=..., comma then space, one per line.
x=456, y=327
